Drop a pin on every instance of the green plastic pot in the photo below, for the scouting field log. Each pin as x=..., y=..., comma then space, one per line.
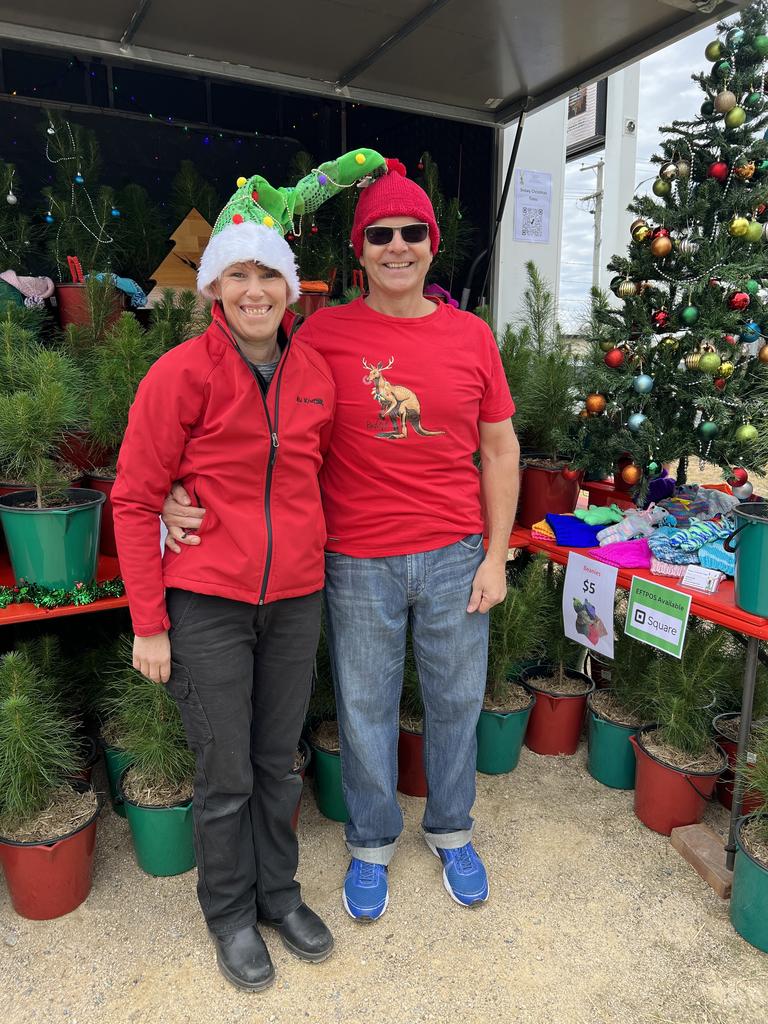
x=162, y=836
x=54, y=547
x=611, y=757
x=750, y=543
x=500, y=738
x=116, y=761
x=330, y=795
x=749, y=895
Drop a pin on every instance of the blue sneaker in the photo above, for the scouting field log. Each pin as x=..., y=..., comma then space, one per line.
x=464, y=874
x=366, y=890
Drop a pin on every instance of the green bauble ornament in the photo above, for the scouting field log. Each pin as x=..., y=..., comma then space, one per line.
x=754, y=231
x=760, y=44
x=690, y=315
x=723, y=69
x=606, y=345
x=710, y=362
x=735, y=118
x=714, y=50
x=707, y=430
x=661, y=188
x=707, y=108
x=755, y=99
x=762, y=167
x=746, y=432
x=653, y=468
x=752, y=286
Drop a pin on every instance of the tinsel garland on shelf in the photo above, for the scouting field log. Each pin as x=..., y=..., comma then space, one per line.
x=47, y=597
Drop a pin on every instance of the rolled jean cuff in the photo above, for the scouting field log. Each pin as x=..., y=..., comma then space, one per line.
x=449, y=840
x=373, y=854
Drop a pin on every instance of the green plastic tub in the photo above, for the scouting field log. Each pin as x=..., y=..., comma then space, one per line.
x=611, y=758
x=54, y=547
x=500, y=738
x=750, y=543
x=330, y=796
x=749, y=896
x=115, y=762
x=162, y=836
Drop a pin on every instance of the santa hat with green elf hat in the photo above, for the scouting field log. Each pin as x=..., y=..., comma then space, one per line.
x=254, y=223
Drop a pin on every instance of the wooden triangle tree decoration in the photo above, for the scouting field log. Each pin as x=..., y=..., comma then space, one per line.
x=179, y=268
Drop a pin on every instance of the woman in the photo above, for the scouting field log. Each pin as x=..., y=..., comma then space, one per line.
x=241, y=415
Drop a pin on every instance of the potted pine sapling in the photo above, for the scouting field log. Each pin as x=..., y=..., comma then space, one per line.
x=16, y=341
x=101, y=671
x=620, y=711
x=47, y=825
x=323, y=733
x=515, y=643
x=52, y=530
x=749, y=895
x=678, y=764
x=544, y=394
x=560, y=690
x=726, y=728
x=116, y=368
x=156, y=787
x=411, y=776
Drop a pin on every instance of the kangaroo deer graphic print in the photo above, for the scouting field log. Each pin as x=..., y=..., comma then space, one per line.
x=399, y=403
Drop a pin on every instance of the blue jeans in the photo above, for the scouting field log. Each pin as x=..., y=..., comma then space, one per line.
x=369, y=604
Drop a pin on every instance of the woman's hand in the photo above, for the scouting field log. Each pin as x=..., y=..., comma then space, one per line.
x=181, y=517
x=152, y=656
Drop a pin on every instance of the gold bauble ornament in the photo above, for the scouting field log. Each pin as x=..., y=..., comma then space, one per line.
x=627, y=289
x=725, y=101
x=661, y=247
x=641, y=232
x=692, y=361
x=762, y=354
x=631, y=474
x=636, y=223
x=745, y=171
x=595, y=404
x=738, y=227
x=583, y=415
x=726, y=370
x=669, y=341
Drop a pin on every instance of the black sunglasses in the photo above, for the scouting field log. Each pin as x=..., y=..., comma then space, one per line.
x=410, y=233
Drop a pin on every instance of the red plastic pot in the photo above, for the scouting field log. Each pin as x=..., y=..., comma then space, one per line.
x=668, y=797
x=90, y=757
x=72, y=305
x=411, y=777
x=750, y=800
x=310, y=302
x=79, y=449
x=545, y=490
x=600, y=672
x=556, y=721
x=47, y=880
x=107, y=544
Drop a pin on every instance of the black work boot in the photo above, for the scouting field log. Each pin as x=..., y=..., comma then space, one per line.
x=244, y=960
x=304, y=934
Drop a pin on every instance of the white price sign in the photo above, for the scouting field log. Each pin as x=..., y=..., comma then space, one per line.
x=588, y=601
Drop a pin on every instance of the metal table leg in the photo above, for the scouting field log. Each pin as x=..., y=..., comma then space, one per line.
x=747, y=700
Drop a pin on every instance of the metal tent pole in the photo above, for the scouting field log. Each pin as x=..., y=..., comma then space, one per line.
x=745, y=726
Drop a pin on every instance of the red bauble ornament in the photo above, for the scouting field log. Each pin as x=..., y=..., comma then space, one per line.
x=290, y=236
x=660, y=233
x=730, y=339
x=614, y=358
x=718, y=170
x=659, y=319
x=739, y=300
x=738, y=476
x=761, y=209
x=719, y=383
x=419, y=166
x=571, y=474
x=314, y=229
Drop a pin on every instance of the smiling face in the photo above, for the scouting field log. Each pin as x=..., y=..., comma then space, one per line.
x=398, y=269
x=254, y=299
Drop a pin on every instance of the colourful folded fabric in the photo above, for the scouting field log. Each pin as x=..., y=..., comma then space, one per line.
x=571, y=532
x=660, y=546
x=626, y=554
x=659, y=568
x=714, y=556
x=542, y=530
x=700, y=533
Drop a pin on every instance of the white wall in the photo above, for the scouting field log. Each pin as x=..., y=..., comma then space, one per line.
x=620, y=159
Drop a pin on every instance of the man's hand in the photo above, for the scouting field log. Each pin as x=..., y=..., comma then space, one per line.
x=180, y=517
x=489, y=587
x=152, y=656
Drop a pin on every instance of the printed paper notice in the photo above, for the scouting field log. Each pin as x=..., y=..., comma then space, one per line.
x=533, y=202
x=657, y=615
x=588, y=599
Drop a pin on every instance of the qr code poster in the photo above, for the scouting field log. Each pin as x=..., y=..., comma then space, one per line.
x=533, y=201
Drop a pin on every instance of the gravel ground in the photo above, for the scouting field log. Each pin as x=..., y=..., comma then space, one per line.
x=593, y=919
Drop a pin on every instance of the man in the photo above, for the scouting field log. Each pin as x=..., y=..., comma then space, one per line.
x=420, y=387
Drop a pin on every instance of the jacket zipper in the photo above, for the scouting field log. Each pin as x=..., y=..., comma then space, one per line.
x=274, y=440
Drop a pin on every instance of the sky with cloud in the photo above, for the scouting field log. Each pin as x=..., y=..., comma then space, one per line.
x=666, y=93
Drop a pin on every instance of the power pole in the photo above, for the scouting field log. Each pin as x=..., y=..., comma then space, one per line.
x=595, y=200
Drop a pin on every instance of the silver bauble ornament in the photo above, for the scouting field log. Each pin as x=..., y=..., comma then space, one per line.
x=725, y=101
x=688, y=246
x=683, y=169
x=743, y=492
x=668, y=171
x=11, y=199
x=635, y=421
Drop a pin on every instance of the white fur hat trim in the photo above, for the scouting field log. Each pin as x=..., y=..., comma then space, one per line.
x=244, y=242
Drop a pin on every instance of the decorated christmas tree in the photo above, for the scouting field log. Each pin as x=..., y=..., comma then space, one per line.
x=18, y=234
x=681, y=369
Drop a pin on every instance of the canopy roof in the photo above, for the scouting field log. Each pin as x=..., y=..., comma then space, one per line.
x=474, y=60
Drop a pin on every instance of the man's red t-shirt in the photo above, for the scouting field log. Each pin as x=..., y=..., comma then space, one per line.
x=398, y=477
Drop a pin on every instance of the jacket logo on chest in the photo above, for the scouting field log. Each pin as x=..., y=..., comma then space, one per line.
x=302, y=400
x=397, y=402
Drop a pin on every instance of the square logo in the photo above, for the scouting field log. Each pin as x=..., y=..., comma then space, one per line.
x=639, y=616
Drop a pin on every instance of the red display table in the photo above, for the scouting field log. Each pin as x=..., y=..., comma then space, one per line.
x=108, y=568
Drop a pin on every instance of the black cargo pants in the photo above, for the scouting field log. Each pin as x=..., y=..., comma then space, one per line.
x=241, y=676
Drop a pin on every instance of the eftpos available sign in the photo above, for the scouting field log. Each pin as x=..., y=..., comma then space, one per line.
x=657, y=616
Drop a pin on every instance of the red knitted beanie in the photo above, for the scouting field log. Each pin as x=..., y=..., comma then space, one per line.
x=393, y=195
